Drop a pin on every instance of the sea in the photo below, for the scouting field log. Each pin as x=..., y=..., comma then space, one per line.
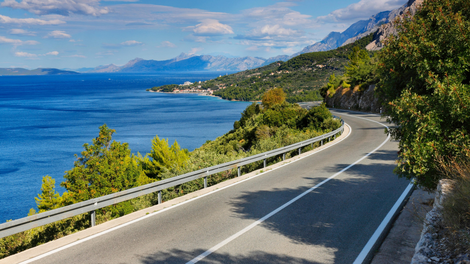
x=45, y=120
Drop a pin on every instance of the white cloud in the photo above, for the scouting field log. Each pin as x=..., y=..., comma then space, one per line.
x=288, y=51
x=166, y=44
x=17, y=42
x=194, y=51
x=148, y=13
x=131, y=43
x=29, y=21
x=275, y=30
x=210, y=27
x=192, y=38
x=18, y=31
x=362, y=10
x=279, y=13
x=58, y=34
x=53, y=53
x=59, y=7
x=30, y=55
x=76, y=56
x=25, y=54
x=271, y=32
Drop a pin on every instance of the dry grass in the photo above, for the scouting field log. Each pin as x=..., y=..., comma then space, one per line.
x=456, y=206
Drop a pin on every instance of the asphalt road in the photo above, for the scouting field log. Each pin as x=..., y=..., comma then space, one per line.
x=330, y=224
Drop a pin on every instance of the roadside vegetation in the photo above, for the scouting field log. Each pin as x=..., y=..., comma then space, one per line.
x=300, y=77
x=106, y=166
x=423, y=80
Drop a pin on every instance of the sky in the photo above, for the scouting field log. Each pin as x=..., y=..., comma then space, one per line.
x=88, y=33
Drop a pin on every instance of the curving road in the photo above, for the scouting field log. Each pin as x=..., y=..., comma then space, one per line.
x=328, y=224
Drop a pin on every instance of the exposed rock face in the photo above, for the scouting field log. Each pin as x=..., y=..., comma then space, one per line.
x=336, y=39
x=389, y=29
x=354, y=99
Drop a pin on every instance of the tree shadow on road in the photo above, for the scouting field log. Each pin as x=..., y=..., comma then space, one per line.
x=180, y=256
x=341, y=214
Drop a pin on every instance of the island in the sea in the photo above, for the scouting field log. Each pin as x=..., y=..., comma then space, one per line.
x=39, y=71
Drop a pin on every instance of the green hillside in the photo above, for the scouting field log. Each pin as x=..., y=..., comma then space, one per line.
x=300, y=77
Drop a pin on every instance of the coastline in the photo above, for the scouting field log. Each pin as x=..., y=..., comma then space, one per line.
x=198, y=93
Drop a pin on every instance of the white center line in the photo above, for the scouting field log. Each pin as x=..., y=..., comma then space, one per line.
x=261, y=220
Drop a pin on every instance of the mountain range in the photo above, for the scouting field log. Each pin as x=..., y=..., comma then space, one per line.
x=379, y=23
x=192, y=62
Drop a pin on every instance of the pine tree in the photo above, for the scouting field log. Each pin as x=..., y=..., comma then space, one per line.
x=48, y=199
x=162, y=157
x=104, y=167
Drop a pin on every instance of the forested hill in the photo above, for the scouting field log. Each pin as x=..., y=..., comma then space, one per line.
x=300, y=77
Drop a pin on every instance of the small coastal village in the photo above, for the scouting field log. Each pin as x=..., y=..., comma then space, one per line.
x=189, y=88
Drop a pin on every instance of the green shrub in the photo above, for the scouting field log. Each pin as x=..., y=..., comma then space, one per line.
x=425, y=75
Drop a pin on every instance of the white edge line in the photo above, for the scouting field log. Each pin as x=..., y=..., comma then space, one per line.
x=370, y=244
x=378, y=232
x=261, y=220
x=176, y=205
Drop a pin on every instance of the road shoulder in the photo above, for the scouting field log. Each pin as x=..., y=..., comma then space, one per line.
x=399, y=245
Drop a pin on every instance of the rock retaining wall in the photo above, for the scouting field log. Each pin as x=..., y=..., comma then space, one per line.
x=354, y=99
x=429, y=248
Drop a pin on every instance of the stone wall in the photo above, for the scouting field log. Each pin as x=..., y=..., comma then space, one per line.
x=431, y=247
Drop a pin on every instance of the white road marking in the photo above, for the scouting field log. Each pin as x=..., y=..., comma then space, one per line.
x=174, y=206
x=261, y=220
x=368, y=247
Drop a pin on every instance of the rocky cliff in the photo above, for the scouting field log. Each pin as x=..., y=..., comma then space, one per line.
x=355, y=99
x=356, y=31
x=389, y=28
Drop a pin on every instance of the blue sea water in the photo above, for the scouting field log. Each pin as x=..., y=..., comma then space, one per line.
x=45, y=120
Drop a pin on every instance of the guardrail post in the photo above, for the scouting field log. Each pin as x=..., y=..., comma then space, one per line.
x=26, y=223
x=93, y=218
x=321, y=143
x=311, y=145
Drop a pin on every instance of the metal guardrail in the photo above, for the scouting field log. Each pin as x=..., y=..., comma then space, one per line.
x=26, y=223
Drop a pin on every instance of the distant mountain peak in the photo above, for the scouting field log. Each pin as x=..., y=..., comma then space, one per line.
x=132, y=62
x=183, y=56
x=357, y=30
